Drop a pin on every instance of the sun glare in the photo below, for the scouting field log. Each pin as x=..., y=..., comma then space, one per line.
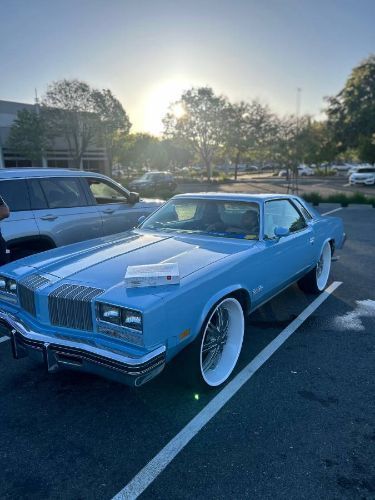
x=158, y=101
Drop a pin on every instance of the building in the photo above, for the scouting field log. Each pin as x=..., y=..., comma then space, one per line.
x=95, y=158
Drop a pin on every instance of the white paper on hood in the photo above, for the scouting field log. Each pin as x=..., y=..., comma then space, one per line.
x=152, y=275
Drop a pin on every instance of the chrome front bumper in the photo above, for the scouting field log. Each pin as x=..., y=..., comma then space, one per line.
x=58, y=354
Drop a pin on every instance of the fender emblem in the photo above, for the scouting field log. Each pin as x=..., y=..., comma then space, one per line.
x=258, y=289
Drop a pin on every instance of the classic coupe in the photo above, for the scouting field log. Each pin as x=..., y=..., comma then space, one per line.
x=76, y=307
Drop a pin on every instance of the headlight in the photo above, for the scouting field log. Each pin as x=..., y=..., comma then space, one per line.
x=111, y=314
x=8, y=285
x=119, y=316
x=131, y=319
x=11, y=286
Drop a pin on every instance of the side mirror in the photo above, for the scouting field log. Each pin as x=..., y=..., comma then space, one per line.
x=281, y=231
x=133, y=198
x=141, y=219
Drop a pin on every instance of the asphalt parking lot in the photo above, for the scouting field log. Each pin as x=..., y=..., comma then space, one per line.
x=303, y=426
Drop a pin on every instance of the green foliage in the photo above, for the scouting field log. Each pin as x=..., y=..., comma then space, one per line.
x=200, y=125
x=113, y=122
x=84, y=116
x=325, y=172
x=342, y=198
x=351, y=113
x=249, y=130
x=28, y=135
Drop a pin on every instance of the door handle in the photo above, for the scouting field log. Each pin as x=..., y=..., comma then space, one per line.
x=49, y=217
x=108, y=211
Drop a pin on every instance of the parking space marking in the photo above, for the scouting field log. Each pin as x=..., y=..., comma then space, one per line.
x=332, y=211
x=156, y=466
x=4, y=339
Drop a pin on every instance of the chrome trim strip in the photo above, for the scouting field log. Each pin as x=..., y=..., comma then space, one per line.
x=110, y=354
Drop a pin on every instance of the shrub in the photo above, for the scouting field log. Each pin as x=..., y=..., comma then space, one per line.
x=342, y=198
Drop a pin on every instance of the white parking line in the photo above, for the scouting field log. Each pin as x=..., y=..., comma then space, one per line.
x=151, y=471
x=333, y=211
x=4, y=339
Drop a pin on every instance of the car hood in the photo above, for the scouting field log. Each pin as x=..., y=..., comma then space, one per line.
x=103, y=262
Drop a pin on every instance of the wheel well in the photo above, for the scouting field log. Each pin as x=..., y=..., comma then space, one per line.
x=243, y=298
x=332, y=243
x=35, y=243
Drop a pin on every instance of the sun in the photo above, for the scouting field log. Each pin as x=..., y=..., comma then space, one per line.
x=178, y=110
x=157, y=102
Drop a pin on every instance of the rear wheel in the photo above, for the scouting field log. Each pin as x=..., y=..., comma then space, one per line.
x=316, y=280
x=212, y=357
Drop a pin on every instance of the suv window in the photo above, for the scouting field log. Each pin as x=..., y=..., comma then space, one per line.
x=281, y=213
x=63, y=192
x=37, y=198
x=105, y=192
x=15, y=194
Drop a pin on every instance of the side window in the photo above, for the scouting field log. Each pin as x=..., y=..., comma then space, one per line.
x=63, y=192
x=304, y=211
x=281, y=213
x=105, y=192
x=15, y=194
x=37, y=198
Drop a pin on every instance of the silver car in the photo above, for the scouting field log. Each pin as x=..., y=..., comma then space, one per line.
x=52, y=207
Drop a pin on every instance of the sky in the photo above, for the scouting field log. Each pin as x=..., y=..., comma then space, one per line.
x=148, y=52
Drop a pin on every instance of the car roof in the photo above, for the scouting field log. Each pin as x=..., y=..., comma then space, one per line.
x=234, y=196
x=27, y=172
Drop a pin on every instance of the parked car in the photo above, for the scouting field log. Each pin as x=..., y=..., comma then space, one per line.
x=341, y=168
x=152, y=181
x=363, y=175
x=51, y=207
x=305, y=170
x=228, y=253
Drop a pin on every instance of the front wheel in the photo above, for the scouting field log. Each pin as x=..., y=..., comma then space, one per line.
x=316, y=280
x=211, y=358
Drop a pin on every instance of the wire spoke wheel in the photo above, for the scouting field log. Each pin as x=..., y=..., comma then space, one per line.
x=221, y=342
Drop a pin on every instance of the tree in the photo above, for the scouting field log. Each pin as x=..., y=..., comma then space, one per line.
x=178, y=155
x=351, y=113
x=28, y=135
x=114, y=123
x=143, y=151
x=69, y=108
x=199, y=123
x=249, y=129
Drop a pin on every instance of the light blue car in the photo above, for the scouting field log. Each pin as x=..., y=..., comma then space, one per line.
x=71, y=307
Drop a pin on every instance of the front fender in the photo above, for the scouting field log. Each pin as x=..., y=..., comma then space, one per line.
x=214, y=300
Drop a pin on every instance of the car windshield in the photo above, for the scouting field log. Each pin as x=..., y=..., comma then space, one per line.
x=221, y=218
x=148, y=176
x=366, y=171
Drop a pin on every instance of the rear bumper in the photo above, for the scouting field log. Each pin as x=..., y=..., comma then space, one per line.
x=61, y=354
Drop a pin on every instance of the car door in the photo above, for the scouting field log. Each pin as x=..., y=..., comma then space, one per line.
x=289, y=257
x=112, y=202
x=21, y=222
x=62, y=211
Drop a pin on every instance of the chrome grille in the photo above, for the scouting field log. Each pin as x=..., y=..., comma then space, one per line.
x=26, y=289
x=70, y=306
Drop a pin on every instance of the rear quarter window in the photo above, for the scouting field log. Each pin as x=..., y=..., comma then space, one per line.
x=15, y=194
